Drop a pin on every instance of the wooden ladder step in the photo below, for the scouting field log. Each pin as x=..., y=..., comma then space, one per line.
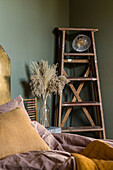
x=89, y=103
x=76, y=60
x=82, y=79
x=79, y=54
x=77, y=29
x=82, y=129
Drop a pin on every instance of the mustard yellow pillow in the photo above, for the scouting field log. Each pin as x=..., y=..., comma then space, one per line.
x=17, y=134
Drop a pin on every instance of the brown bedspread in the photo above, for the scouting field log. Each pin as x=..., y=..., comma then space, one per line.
x=59, y=158
x=51, y=160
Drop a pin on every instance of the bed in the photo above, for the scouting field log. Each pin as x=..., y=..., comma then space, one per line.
x=61, y=151
x=27, y=145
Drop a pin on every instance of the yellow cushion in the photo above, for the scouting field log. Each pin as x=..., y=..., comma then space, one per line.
x=17, y=134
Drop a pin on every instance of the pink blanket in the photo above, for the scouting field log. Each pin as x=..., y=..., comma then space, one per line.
x=59, y=158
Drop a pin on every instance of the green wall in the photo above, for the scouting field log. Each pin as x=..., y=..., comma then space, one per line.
x=99, y=14
x=26, y=33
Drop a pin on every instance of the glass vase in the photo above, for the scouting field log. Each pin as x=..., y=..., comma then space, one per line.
x=44, y=113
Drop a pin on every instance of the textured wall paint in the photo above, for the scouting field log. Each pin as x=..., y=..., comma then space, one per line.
x=99, y=14
x=26, y=34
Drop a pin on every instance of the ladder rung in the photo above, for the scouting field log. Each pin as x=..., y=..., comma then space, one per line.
x=79, y=54
x=82, y=79
x=30, y=112
x=82, y=129
x=31, y=102
x=31, y=107
x=89, y=103
x=76, y=61
x=26, y=100
x=32, y=116
x=77, y=29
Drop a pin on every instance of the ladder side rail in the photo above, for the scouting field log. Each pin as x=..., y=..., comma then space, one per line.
x=61, y=73
x=96, y=97
x=98, y=84
x=96, y=67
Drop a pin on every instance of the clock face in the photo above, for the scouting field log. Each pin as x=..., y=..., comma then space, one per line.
x=81, y=43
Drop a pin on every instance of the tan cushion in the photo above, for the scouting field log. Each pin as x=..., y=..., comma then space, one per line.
x=17, y=134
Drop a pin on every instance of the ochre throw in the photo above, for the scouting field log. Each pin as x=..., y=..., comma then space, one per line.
x=96, y=156
x=17, y=134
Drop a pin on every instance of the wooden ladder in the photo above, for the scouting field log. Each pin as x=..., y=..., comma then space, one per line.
x=90, y=75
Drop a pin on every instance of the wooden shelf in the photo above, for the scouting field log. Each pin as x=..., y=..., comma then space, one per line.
x=82, y=129
x=82, y=79
x=79, y=54
x=77, y=29
x=76, y=61
x=89, y=103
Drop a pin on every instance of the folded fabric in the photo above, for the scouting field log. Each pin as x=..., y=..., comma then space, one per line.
x=47, y=136
x=98, y=155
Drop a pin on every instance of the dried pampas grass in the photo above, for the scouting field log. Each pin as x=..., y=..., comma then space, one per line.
x=44, y=80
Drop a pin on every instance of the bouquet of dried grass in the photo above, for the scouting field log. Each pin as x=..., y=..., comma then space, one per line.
x=45, y=81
